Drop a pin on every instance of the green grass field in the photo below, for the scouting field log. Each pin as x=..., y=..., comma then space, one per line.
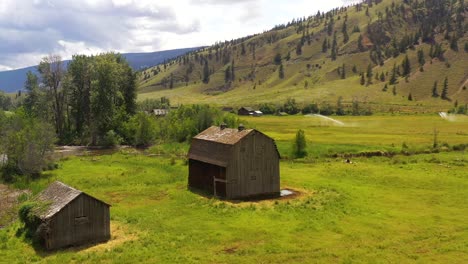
x=376, y=210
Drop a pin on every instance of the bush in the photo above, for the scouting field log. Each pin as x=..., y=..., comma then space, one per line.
x=111, y=139
x=28, y=217
x=268, y=109
x=311, y=109
x=300, y=145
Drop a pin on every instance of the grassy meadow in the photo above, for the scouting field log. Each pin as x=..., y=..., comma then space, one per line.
x=402, y=209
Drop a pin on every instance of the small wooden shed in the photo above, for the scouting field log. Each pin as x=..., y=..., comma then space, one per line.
x=245, y=111
x=71, y=217
x=234, y=163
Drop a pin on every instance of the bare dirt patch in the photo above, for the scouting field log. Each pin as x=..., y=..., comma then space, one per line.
x=120, y=234
x=8, y=202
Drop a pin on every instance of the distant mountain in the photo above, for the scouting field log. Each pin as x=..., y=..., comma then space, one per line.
x=12, y=81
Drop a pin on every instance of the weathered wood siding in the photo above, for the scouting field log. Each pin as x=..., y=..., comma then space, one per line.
x=254, y=168
x=82, y=221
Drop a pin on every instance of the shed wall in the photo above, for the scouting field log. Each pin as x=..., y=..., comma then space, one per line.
x=82, y=221
x=254, y=168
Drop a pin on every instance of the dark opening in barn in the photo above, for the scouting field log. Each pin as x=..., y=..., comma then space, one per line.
x=234, y=163
x=71, y=217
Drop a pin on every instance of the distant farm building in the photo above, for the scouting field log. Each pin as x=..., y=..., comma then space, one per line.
x=234, y=163
x=71, y=217
x=160, y=112
x=245, y=111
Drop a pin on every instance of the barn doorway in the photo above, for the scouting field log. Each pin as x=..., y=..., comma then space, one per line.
x=208, y=177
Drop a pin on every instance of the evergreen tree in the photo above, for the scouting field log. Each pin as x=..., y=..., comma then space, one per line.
x=171, y=82
x=394, y=90
x=343, y=72
x=227, y=74
x=325, y=45
x=369, y=73
x=334, y=48
x=277, y=59
x=454, y=43
x=363, y=80
x=421, y=59
x=360, y=45
x=354, y=68
x=410, y=97
x=435, y=93
x=406, y=66
x=206, y=72
x=444, y=94
x=281, y=71
x=344, y=29
x=382, y=77
x=299, y=48
x=393, y=77
x=233, y=73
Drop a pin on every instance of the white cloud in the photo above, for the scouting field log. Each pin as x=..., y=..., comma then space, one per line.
x=31, y=29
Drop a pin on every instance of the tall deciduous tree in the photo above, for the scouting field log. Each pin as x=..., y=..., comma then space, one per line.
x=52, y=72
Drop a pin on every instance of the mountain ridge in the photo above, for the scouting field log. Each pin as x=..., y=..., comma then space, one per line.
x=13, y=80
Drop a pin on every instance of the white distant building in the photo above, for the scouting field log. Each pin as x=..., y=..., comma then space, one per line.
x=160, y=112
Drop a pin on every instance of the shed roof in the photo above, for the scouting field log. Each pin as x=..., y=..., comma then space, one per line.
x=58, y=195
x=227, y=136
x=250, y=109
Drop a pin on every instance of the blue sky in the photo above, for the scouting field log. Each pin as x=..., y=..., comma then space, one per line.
x=31, y=29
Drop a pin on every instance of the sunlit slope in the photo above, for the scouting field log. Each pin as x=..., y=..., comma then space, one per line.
x=313, y=75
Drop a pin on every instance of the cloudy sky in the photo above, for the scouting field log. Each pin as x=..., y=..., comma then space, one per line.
x=31, y=29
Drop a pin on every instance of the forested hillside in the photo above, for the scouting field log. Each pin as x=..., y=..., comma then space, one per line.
x=382, y=55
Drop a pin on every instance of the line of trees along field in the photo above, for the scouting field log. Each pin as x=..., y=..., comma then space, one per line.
x=91, y=102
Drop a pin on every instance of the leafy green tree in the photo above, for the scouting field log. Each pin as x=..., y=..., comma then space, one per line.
x=5, y=102
x=52, y=72
x=300, y=145
x=290, y=106
x=26, y=141
x=339, y=106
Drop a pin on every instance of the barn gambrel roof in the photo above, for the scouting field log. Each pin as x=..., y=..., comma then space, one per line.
x=213, y=145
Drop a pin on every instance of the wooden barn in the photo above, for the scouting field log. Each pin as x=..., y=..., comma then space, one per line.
x=245, y=111
x=71, y=217
x=234, y=163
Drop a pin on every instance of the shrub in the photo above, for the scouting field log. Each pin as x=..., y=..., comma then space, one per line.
x=300, y=145
x=111, y=139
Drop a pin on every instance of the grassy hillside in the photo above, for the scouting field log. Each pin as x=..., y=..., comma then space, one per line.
x=376, y=210
x=313, y=75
